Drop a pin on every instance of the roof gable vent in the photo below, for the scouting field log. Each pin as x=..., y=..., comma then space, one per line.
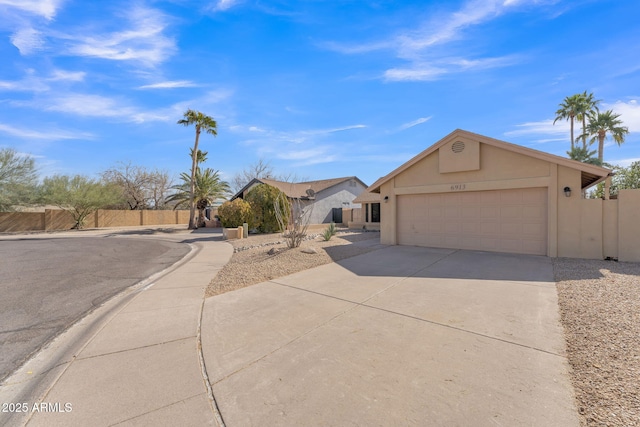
x=457, y=147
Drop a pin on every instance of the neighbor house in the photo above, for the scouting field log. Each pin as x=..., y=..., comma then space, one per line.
x=323, y=199
x=469, y=191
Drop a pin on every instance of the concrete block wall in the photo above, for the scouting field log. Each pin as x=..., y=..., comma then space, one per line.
x=58, y=219
x=21, y=221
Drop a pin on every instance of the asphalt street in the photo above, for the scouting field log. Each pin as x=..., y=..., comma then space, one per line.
x=47, y=284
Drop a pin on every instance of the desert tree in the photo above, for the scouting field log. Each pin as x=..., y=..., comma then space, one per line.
x=202, y=123
x=141, y=188
x=261, y=169
x=79, y=195
x=293, y=218
x=18, y=179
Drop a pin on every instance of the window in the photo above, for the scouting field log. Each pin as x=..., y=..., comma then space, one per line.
x=375, y=212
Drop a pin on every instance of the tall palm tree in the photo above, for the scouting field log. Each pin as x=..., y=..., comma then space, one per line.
x=208, y=187
x=600, y=126
x=205, y=123
x=568, y=110
x=586, y=105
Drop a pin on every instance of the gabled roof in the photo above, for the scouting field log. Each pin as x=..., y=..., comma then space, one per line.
x=591, y=174
x=298, y=190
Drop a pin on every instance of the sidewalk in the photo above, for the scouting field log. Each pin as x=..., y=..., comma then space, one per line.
x=142, y=367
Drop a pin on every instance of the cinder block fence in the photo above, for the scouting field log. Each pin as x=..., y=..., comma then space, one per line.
x=56, y=219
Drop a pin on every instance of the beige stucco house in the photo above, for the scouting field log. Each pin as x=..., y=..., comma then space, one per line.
x=469, y=191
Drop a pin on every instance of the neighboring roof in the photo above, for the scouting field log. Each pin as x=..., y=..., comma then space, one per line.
x=298, y=190
x=367, y=197
x=591, y=174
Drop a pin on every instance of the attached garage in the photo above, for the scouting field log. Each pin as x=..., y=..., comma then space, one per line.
x=501, y=220
x=469, y=191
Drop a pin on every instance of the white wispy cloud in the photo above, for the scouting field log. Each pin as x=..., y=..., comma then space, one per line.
x=542, y=127
x=143, y=42
x=414, y=123
x=629, y=113
x=422, y=48
x=302, y=147
x=303, y=154
x=44, y=8
x=171, y=84
x=121, y=109
x=62, y=75
x=49, y=134
x=28, y=40
x=31, y=82
x=89, y=106
x=625, y=163
x=222, y=5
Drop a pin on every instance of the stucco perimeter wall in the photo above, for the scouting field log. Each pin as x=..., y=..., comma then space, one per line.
x=628, y=225
x=58, y=219
x=21, y=221
x=569, y=214
x=113, y=218
x=610, y=228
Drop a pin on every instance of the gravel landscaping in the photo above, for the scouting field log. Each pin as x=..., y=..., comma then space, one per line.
x=260, y=258
x=600, y=311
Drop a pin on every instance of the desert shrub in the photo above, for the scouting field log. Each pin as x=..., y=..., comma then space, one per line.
x=293, y=219
x=262, y=199
x=329, y=232
x=234, y=214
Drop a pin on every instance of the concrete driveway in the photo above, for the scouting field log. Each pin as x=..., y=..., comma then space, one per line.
x=398, y=336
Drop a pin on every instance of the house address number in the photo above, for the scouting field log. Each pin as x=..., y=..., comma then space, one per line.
x=458, y=187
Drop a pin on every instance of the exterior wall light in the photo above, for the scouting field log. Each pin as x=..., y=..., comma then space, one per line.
x=386, y=199
x=567, y=191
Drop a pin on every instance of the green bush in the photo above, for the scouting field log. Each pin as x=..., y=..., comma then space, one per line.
x=262, y=199
x=234, y=214
x=329, y=232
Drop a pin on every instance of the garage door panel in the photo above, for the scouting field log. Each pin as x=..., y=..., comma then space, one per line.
x=502, y=220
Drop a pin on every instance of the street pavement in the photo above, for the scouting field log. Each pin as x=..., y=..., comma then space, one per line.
x=133, y=360
x=50, y=283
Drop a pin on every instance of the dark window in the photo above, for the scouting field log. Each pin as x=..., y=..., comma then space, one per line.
x=366, y=212
x=375, y=212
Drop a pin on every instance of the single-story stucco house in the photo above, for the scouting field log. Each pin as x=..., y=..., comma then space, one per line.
x=469, y=191
x=324, y=199
x=368, y=217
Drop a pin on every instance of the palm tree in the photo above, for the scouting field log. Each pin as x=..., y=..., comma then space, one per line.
x=209, y=125
x=603, y=124
x=586, y=105
x=208, y=187
x=568, y=110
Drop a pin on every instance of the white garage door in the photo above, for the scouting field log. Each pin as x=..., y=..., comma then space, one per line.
x=499, y=221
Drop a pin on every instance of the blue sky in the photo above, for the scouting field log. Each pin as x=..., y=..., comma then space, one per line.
x=318, y=88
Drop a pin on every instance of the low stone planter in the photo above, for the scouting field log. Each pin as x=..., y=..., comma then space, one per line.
x=232, y=233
